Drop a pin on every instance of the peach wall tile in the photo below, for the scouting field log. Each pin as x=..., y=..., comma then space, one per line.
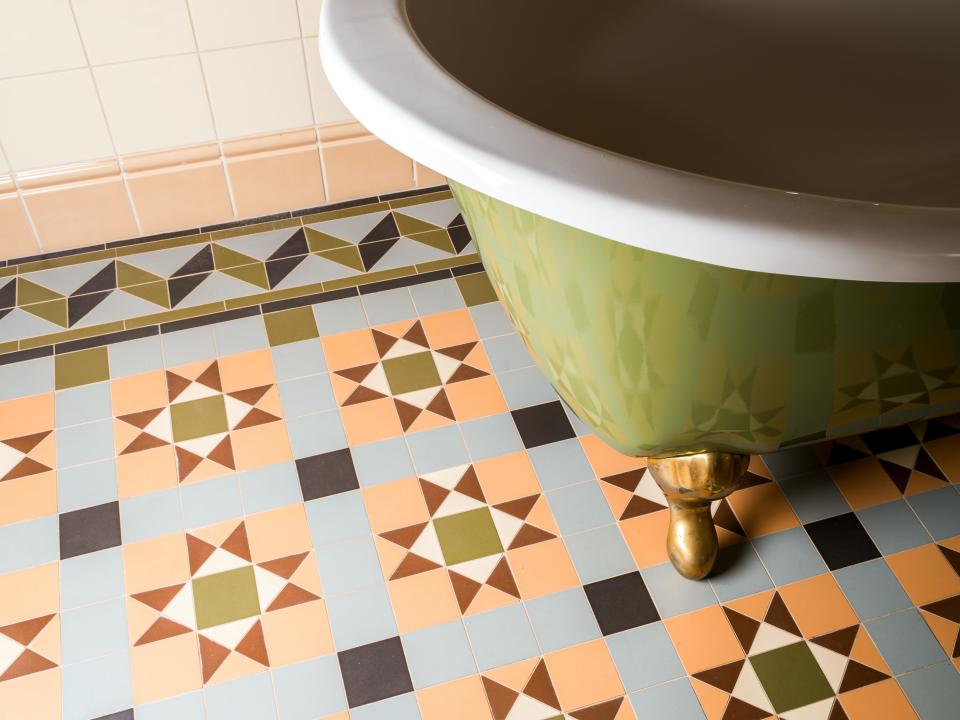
x=427, y=177
x=357, y=164
x=16, y=237
x=273, y=182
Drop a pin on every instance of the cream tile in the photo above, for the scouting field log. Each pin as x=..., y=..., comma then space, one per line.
x=327, y=107
x=309, y=16
x=54, y=119
x=153, y=104
x=120, y=30
x=227, y=23
x=37, y=37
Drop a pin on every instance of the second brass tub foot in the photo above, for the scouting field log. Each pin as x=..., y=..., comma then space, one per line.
x=691, y=483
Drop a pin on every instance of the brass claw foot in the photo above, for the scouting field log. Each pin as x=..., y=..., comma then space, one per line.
x=691, y=483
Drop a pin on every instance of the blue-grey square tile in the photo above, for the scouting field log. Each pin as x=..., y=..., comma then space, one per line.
x=361, y=617
x=501, y=636
x=315, y=434
x=438, y=654
x=526, y=387
x=893, y=526
x=579, y=507
x=340, y=316
x=93, y=630
x=491, y=436
x=310, y=689
x=491, y=320
x=337, y=517
x=97, y=688
x=934, y=692
x=399, y=707
x=83, y=404
x=578, y=425
x=298, y=359
x=644, y=656
x=81, y=486
x=30, y=377
x=307, y=395
x=29, y=543
x=382, y=461
x=134, y=357
x=91, y=578
x=506, y=353
x=269, y=487
x=181, y=707
x=436, y=297
x=939, y=511
x=241, y=335
x=673, y=594
x=388, y=306
x=905, y=641
x=560, y=464
x=789, y=556
x=210, y=501
x=872, y=589
x=349, y=566
x=813, y=495
x=437, y=449
x=249, y=698
x=152, y=515
x=85, y=443
x=738, y=572
x=675, y=700
x=599, y=554
x=562, y=619
x=187, y=346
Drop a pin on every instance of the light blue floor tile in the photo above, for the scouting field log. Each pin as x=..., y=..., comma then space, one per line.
x=29, y=543
x=436, y=297
x=310, y=689
x=85, y=443
x=307, y=395
x=97, y=688
x=316, y=434
x=934, y=692
x=562, y=619
x=673, y=594
x=579, y=426
x=349, y=566
x=491, y=320
x=789, y=556
x=30, y=377
x=401, y=707
x=507, y=352
x=388, y=306
x=249, y=698
x=152, y=515
x=738, y=573
x=872, y=589
x=361, y=618
x=134, y=357
x=560, y=464
x=893, y=527
x=501, y=637
x=438, y=654
x=675, y=700
x=579, y=507
x=182, y=707
x=599, y=554
x=187, y=346
x=382, y=461
x=91, y=578
x=91, y=631
x=83, y=486
x=526, y=387
x=905, y=641
x=491, y=436
x=298, y=359
x=644, y=656
x=242, y=335
x=813, y=495
x=437, y=449
x=337, y=517
x=83, y=404
x=939, y=511
x=210, y=501
x=340, y=316
x=270, y=487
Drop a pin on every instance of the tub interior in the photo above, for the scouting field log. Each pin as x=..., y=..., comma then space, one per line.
x=855, y=99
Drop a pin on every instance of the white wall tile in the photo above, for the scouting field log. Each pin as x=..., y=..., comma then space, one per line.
x=38, y=36
x=119, y=30
x=53, y=119
x=4, y=168
x=309, y=17
x=259, y=88
x=155, y=104
x=327, y=107
x=228, y=23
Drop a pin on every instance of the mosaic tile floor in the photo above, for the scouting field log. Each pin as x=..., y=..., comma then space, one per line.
x=371, y=505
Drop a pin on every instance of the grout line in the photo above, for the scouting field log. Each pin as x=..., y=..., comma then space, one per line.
x=21, y=198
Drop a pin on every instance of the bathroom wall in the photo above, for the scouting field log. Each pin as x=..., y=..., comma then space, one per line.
x=125, y=118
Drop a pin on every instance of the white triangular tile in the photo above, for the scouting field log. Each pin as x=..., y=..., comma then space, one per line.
x=314, y=269
x=160, y=426
x=528, y=708
x=507, y=526
x=237, y=410
x=769, y=637
x=832, y=663
x=269, y=585
x=456, y=503
x=649, y=490
x=180, y=609
x=409, y=252
x=202, y=446
x=67, y=279
x=195, y=391
x=749, y=689
x=18, y=325
x=428, y=545
x=118, y=305
x=479, y=569
x=220, y=561
x=9, y=459
x=446, y=366
x=231, y=633
x=448, y=477
x=402, y=348
x=905, y=457
x=217, y=287
x=440, y=213
x=815, y=711
x=352, y=229
x=10, y=650
x=419, y=398
x=259, y=245
x=163, y=262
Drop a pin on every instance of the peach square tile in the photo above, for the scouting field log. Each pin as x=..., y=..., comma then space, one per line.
x=234, y=667
x=47, y=641
x=36, y=696
x=542, y=568
x=297, y=633
x=863, y=482
x=703, y=639
x=818, y=605
x=165, y=668
x=25, y=416
x=428, y=421
x=370, y=421
x=946, y=454
x=156, y=563
x=646, y=537
x=507, y=477
x=449, y=328
x=139, y=392
x=146, y=471
x=278, y=533
x=462, y=699
x=925, y=574
x=349, y=349
x=428, y=178
x=18, y=239
x=423, y=600
x=762, y=510
x=584, y=675
x=63, y=219
x=475, y=398
x=246, y=370
x=364, y=166
x=28, y=498
x=881, y=700
x=191, y=195
x=26, y=594
x=395, y=505
x=713, y=701
x=269, y=183
x=260, y=445
x=606, y=461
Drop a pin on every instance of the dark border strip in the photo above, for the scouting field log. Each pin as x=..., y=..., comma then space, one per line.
x=402, y=282
x=211, y=319
x=246, y=221
x=413, y=193
x=315, y=299
x=342, y=205
x=30, y=354
x=57, y=254
x=470, y=269
x=108, y=339
x=153, y=238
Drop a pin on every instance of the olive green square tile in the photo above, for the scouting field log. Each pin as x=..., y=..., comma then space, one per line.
x=198, y=418
x=476, y=289
x=81, y=368
x=411, y=372
x=791, y=677
x=225, y=597
x=467, y=536
x=289, y=326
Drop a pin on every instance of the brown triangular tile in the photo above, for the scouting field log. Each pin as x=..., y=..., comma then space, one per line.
x=640, y=506
x=222, y=454
x=837, y=712
x=465, y=372
x=25, y=468
x=724, y=517
x=502, y=579
x=255, y=417
x=416, y=335
x=433, y=495
x=408, y=413
x=237, y=543
x=197, y=552
x=175, y=385
x=779, y=616
x=840, y=641
x=604, y=711
x=518, y=508
x=160, y=598
x=413, y=564
x=253, y=645
x=291, y=595
x=724, y=677
x=361, y=395
x=26, y=443
x=745, y=628
x=751, y=479
x=358, y=373
x=737, y=709
x=211, y=377
x=212, y=656
x=383, y=342
x=629, y=480
x=464, y=588
x=952, y=557
x=161, y=629
x=186, y=462
x=143, y=441
x=458, y=352
x=250, y=396
x=858, y=675
x=27, y=663
x=529, y=535
x=540, y=687
x=285, y=566
x=500, y=697
x=25, y=631
x=405, y=537
x=141, y=419
x=469, y=485
x=440, y=405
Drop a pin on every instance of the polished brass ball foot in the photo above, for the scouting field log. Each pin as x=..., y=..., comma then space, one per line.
x=691, y=483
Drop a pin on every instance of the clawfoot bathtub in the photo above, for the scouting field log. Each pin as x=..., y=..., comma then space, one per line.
x=720, y=228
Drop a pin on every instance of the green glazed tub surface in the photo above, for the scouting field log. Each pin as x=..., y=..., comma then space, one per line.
x=663, y=355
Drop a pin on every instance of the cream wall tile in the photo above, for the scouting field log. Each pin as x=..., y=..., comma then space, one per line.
x=327, y=107
x=309, y=16
x=38, y=36
x=258, y=89
x=119, y=30
x=54, y=119
x=227, y=23
x=153, y=104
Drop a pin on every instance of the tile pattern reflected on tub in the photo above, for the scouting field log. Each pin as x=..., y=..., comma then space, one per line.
x=358, y=508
